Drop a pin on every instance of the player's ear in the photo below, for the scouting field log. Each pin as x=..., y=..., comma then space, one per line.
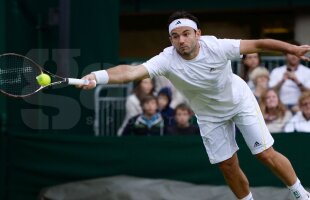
x=198, y=33
x=170, y=38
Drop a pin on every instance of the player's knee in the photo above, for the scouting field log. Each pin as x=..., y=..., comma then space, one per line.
x=229, y=165
x=266, y=156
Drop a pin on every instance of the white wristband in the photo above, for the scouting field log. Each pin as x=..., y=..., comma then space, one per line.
x=102, y=76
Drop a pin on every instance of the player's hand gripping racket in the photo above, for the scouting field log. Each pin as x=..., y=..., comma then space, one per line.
x=18, y=76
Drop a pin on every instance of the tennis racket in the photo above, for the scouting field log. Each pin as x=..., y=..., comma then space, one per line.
x=18, y=76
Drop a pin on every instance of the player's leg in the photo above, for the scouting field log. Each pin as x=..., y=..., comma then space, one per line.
x=258, y=138
x=221, y=146
x=234, y=177
x=278, y=164
x=283, y=169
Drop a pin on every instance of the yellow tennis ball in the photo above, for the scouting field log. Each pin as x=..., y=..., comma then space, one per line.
x=43, y=79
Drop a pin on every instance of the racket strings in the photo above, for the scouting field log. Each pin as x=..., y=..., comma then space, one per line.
x=54, y=76
x=18, y=75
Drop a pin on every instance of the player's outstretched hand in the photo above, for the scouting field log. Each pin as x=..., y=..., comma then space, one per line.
x=301, y=52
x=92, y=82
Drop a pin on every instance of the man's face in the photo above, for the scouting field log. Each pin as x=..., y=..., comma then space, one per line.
x=185, y=40
x=292, y=60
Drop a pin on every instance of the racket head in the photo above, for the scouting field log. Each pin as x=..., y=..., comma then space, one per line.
x=18, y=75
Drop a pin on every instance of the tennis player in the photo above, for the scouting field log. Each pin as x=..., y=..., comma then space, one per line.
x=200, y=67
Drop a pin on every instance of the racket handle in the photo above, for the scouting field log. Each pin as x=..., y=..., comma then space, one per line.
x=75, y=81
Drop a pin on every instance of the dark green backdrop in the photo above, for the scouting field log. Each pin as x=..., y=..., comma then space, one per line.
x=70, y=38
x=30, y=162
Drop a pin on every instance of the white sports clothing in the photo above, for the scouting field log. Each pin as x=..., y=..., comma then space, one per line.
x=289, y=91
x=248, y=197
x=298, y=192
x=217, y=96
x=182, y=22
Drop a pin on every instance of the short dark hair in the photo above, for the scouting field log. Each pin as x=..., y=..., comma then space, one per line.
x=183, y=15
x=183, y=106
x=147, y=99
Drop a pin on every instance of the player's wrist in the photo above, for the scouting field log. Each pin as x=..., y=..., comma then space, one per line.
x=101, y=76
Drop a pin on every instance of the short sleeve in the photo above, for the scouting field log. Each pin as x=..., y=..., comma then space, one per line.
x=231, y=48
x=157, y=66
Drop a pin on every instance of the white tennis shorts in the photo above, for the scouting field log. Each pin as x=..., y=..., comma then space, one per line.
x=219, y=137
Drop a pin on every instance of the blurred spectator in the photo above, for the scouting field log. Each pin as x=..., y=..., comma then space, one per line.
x=183, y=127
x=260, y=78
x=133, y=103
x=250, y=62
x=290, y=80
x=150, y=122
x=301, y=121
x=164, y=99
x=177, y=97
x=276, y=115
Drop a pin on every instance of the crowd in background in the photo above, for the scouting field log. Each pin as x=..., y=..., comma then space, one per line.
x=283, y=94
x=155, y=107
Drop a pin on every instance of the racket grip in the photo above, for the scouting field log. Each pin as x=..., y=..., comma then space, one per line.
x=75, y=81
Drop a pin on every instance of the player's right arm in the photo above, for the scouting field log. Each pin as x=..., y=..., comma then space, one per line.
x=127, y=73
x=118, y=74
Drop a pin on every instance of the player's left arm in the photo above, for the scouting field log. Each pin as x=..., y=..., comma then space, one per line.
x=267, y=45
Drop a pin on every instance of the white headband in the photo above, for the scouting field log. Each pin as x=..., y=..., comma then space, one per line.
x=182, y=22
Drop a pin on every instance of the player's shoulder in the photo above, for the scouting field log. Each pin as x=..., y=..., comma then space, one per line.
x=168, y=51
x=210, y=40
x=166, y=54
x=213, y=46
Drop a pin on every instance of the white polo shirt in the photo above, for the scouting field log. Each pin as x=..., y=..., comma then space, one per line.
x=290, y=92
x=207, y=81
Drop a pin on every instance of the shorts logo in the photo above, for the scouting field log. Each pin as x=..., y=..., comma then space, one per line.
x=257, y=144
x=296, y=194
x=178, y=22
